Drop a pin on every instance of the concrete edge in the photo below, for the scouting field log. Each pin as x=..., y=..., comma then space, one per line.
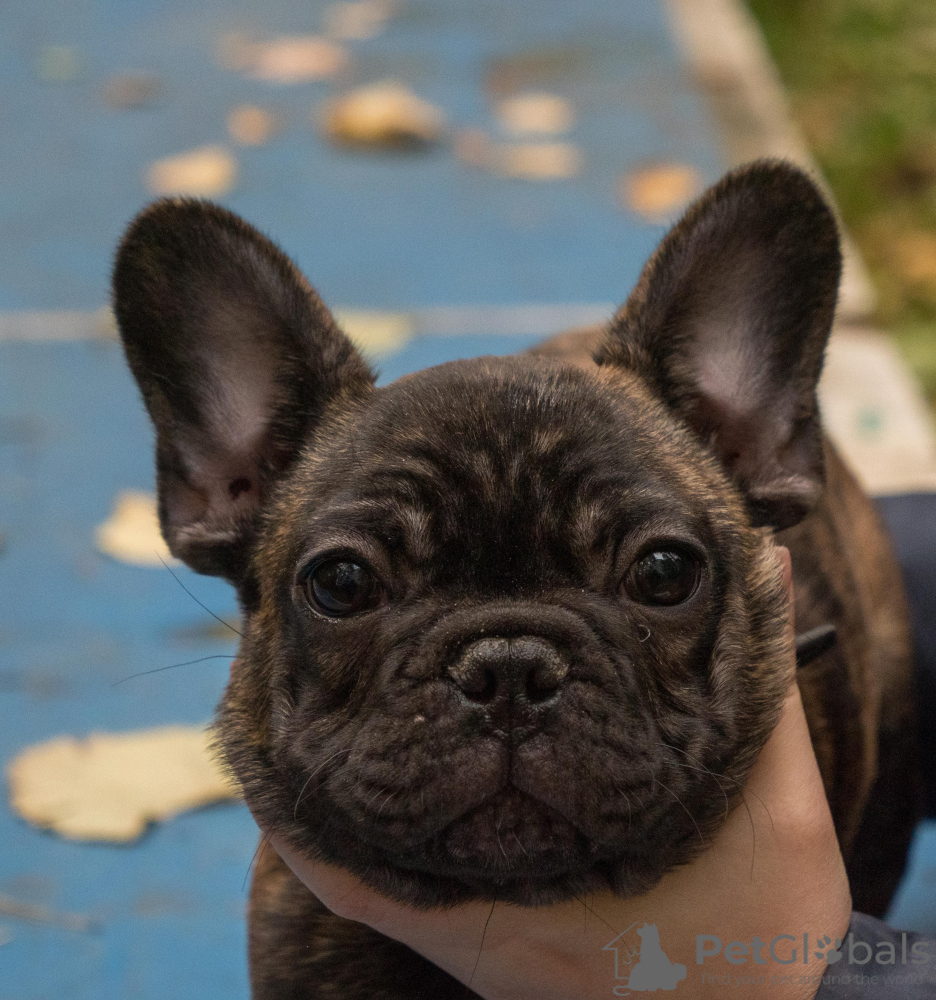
x=729, y=61
x=376, y=331
x=872, y=406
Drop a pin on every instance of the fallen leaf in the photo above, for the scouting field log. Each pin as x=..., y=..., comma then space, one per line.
x=536, y=69
x=916, y=256
x=235, y=51
x=57, y=64
x=130, y=90
x=250, y=125
x=203, y=173
x=536, y=112
x=383, y=114
x=358, y=20
x=376, y=333
x=294, y=59
x=111, y=786
x=544, y=161
x=658, y=190
x=37, y=914
x=131, y=534
x=473, y=147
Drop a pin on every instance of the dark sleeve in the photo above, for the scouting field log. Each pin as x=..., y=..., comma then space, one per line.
x=911, y=520
x=878, y=963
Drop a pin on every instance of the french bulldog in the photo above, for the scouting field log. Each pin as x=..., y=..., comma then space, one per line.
x=512, y=626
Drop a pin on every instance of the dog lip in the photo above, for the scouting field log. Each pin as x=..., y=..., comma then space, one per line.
x=434, y=855
x=489, y=871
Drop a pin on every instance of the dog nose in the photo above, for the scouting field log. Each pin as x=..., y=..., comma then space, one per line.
x=526, y=668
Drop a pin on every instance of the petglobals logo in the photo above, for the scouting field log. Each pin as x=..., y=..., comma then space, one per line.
x=652, y=969
x=642, y=965
x=895, y=963
x=784, y=949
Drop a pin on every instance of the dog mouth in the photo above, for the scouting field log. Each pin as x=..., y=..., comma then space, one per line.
x=511, y=835
x=517, y=839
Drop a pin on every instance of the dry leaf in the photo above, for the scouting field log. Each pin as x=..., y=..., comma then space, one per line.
x=544, y=161
x=131, y=534
x=536, y=69
x=659, y=190
x=383, y=114
x=203, y=173
x=250, y=125
x=235, y=51
x=111, y=786
x=376, y=333
x=473, y=147
x=294, y=59
x=58, y=64
x=916, y=255
x=358, y=20
x=130, y=90
x=536, y=112
x=876, y=414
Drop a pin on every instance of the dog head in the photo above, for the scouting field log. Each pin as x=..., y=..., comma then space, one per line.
x=512, y=628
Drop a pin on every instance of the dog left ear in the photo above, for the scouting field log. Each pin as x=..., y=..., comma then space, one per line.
x=239, y=363
x=729, y=323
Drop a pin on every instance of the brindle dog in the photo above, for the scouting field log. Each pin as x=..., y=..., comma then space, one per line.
x=512, y=625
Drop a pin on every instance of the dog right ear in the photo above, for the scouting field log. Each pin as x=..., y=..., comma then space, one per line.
x=237, y=360
x=729, y=322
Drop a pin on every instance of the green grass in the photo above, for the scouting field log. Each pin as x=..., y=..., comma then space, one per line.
x=861, y=75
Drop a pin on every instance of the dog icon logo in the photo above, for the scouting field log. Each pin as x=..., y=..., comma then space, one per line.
x=833, y=954
x=653, y=970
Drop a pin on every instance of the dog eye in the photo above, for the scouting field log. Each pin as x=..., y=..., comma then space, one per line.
x=340, y=587
x=663, y=576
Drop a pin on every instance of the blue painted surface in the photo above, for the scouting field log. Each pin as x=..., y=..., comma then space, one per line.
x=385, y=232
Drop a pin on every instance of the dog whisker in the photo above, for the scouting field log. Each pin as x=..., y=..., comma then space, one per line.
x=519, y=844
x=630, y=811
x=727, y=777
x=258, y=853
x=172, y=666
x=499, y=844
x=594, y=913
x=197, y=601
x=387, y=801
x=481, y=946
x=742, y=790
x=680, y=801
x=702, y=769
x=380, y=791
x=338, y=753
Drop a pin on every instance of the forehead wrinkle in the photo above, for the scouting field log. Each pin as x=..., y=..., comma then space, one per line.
x=387, y=520
x=361, y=517
x=417, y=534
x=584, y=531
x=545, y=440
x=483, y=470
x=604, y=506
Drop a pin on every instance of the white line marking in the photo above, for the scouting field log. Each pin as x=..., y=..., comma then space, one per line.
x=438, y=321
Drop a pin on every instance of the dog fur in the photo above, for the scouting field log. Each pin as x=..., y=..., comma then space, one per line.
x=511, y=717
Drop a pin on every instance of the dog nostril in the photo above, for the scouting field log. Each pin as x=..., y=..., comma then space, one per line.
x=479, y=671
x=542, y=682
x=480, y=686
x=492, y=668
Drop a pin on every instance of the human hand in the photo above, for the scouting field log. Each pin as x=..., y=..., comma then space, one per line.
x=773, y=869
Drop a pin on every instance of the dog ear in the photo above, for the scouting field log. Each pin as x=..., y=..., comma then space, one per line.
x=729, y=323
x=237, y=360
